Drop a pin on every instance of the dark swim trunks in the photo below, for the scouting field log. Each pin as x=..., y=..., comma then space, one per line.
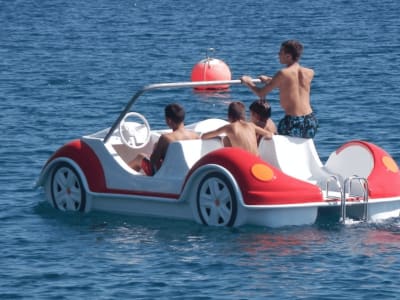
x=302, y=126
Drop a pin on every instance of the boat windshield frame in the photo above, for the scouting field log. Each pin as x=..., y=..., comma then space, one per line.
x=171, y=85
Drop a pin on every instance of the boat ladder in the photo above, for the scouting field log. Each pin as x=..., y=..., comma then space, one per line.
x=336, y=181
x=349, y=184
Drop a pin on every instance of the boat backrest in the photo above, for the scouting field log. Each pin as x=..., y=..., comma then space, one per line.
x=207, y=125
x=182, y=155
x=351, y=159
x=294, y=156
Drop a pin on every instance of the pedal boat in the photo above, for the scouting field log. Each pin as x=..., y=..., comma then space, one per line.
x=204, y=182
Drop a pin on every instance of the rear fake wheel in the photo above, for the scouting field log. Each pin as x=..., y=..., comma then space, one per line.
x=216, y=201
x=67, y=191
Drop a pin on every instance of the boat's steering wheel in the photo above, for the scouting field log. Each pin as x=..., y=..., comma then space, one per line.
x=134, y=135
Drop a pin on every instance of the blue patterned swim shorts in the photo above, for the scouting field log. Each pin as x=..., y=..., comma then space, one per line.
x=299, y=126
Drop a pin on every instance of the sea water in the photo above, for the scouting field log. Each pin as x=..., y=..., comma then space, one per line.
x=67, y=68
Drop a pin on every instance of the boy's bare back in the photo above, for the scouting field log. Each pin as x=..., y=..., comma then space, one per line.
x=242, y=134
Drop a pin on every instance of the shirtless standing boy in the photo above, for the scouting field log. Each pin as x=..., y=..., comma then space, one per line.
x=294, y=84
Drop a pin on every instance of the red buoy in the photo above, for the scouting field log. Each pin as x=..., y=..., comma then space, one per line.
x=211, y=69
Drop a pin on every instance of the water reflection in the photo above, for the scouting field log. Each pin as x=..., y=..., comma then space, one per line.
x=288, y=242
x=383, y=238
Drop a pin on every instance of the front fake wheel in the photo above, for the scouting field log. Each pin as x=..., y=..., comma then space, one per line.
x=216, y=201
x=67, y=191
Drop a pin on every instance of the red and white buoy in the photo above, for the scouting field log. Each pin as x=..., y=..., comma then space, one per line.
x=211, y=69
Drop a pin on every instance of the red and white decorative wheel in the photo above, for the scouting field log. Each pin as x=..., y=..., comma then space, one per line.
x=67, y=191
x=216, y=200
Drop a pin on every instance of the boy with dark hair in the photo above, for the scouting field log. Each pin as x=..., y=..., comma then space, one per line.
x=260, y=115
x=174, y=118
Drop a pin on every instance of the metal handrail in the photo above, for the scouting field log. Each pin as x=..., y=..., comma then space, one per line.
x=364, y=187
x=171, y=85
x=336, y=180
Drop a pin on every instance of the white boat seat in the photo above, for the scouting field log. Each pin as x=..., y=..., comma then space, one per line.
x=354, y=159
x=207, y=125
x=294, y=156
x=182, y=155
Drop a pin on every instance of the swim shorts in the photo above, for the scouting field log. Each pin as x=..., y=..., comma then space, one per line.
x=299, y=126
x=147, y=168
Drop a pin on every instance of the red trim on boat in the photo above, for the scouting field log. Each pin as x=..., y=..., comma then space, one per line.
x=281, y=189
x=143, y=193
x=383, y=181
x=86, y=158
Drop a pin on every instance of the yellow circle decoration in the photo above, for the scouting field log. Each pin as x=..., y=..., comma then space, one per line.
x=390, y=164
x=262, y=172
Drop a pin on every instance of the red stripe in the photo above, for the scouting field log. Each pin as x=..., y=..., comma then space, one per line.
x=143, y=193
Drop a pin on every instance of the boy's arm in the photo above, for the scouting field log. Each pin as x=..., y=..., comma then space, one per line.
x=159, y=152
x=214, y=133
x=264, y=132
x=270, y=84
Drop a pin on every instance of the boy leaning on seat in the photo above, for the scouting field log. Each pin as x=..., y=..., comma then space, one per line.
x=239, y=132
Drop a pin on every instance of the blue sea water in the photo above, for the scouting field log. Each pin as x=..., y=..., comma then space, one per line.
x=68, y=67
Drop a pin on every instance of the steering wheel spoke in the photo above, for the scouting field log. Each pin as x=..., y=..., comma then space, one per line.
x=134, y=135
